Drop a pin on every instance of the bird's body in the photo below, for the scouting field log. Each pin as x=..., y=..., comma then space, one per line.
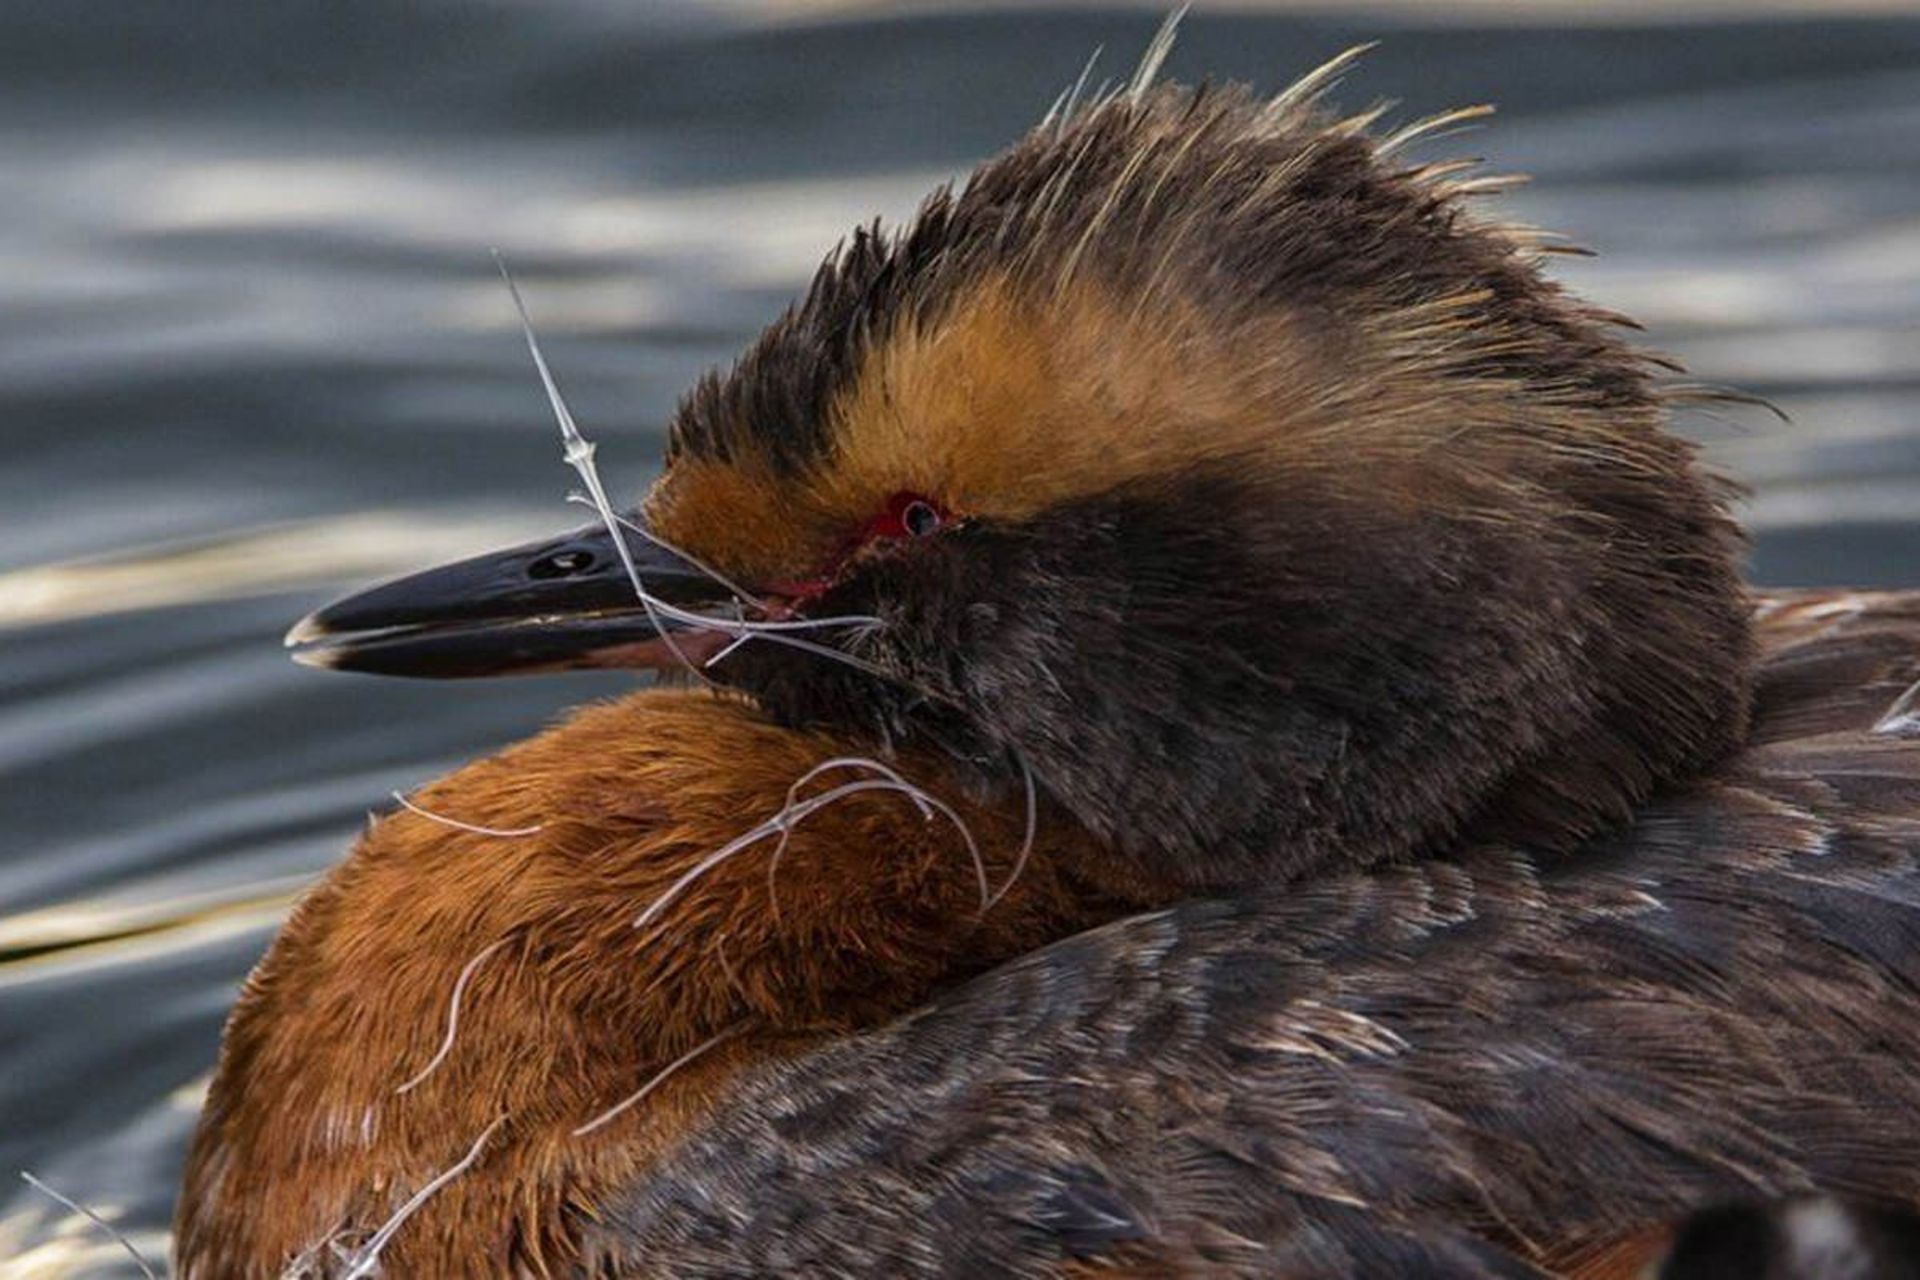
x=1476, y=1065
x=1203, y=532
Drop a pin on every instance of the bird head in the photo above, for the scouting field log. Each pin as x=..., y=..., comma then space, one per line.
x=1202, y=457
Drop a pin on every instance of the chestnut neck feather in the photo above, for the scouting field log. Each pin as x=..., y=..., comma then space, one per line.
x=307, y=1138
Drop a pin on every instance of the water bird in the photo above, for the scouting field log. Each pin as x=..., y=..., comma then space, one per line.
x=1221, y=733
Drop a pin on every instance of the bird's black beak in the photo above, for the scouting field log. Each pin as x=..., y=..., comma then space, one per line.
x=554, y=605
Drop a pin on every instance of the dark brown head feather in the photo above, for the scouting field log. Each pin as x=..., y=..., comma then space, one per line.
x=1208, y=194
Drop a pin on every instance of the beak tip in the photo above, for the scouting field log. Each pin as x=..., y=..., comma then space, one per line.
x=319, y=657
x=307, y=629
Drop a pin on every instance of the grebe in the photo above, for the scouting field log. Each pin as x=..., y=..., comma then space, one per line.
x=1239, y=746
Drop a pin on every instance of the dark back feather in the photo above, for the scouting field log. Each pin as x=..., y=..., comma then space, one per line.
x=1477, y=1065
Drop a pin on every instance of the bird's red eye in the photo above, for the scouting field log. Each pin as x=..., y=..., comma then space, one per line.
x=907, y=515
x=920, y=518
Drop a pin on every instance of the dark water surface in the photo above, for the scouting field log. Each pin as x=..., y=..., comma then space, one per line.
x=252, y=349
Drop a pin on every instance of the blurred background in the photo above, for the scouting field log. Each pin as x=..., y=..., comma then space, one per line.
x=253, y=350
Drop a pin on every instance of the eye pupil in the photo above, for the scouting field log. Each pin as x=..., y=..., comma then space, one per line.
x=919, y=518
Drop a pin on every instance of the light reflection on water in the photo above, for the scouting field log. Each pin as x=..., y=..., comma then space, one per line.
x=252, y=348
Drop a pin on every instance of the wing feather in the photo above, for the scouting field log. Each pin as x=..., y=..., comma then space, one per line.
x=1467, y=1067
